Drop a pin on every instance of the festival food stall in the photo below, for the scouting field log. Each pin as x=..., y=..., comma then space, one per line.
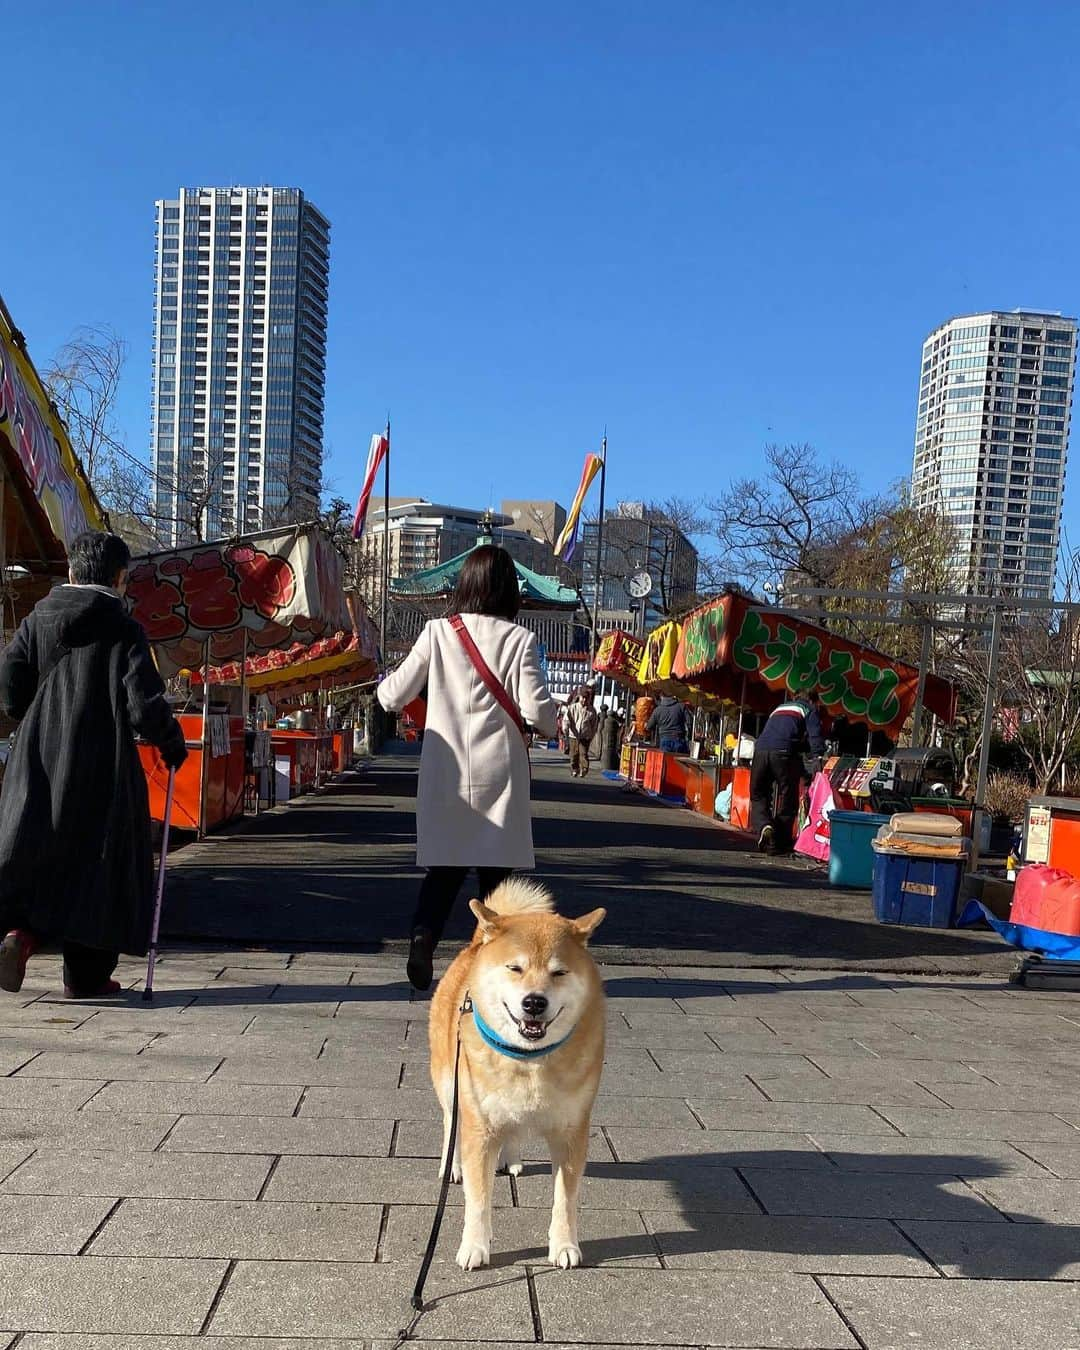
x=754, y=656
x=619, y=657
x=211, y=604
x=304, y=756
x=45, y=497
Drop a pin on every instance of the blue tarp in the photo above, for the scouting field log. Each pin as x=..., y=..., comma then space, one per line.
x=1056, y=946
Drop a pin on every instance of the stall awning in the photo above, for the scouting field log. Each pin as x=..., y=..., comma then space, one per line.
x=46, y=496
x=282, y=588
x=340, y=658
x=619, y=657
x=657, y=670
x=757, y=655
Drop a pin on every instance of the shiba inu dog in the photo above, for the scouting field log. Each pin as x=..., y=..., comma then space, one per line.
x=532, y=1049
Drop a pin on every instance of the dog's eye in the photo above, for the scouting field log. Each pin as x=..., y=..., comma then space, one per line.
x=558, y=974
x=515, y=969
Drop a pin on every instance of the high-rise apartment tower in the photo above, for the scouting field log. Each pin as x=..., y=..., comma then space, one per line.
x=991, y=440
x=240, y=301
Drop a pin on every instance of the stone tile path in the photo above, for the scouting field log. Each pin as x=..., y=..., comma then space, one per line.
x=781, y=1158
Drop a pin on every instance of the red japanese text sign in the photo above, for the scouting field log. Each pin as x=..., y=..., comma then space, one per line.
x=278, y=588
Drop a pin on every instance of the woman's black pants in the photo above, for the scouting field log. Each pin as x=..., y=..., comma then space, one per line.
x=439, y=889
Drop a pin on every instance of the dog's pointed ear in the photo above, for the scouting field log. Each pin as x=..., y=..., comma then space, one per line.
x=584, y=927
x=487, y=920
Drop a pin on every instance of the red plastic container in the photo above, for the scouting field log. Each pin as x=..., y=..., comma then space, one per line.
x=1047, y=898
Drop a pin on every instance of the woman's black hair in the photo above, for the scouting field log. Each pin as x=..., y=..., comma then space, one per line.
x=488, y=584
x=97, y=559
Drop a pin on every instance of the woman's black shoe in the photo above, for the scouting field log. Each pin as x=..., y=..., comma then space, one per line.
x=421, y=951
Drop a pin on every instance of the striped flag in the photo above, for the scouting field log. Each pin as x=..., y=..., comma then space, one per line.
x=567, y=541
x=375, y=456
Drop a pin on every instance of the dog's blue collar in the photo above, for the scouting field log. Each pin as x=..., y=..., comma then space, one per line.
x=494, y=1042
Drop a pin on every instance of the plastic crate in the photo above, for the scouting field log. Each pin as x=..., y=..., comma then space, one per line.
x=851, y=854
x=920, y=892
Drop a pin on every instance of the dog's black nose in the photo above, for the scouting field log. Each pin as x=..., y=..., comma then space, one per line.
x=534, y=1005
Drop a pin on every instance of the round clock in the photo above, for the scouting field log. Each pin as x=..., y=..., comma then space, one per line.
x=639, y=586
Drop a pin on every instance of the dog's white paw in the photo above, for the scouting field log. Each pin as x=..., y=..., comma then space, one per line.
x=455, y=1173
x=471, y=1255
x=564, y=1255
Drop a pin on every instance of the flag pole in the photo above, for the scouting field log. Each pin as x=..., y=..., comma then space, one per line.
x=598, y=578
x=386, y=548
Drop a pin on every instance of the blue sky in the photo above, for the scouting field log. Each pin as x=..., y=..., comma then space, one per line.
x=705, y=225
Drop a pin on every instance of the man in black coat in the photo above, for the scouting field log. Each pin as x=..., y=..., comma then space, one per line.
x=76, y=864
x=792, y=731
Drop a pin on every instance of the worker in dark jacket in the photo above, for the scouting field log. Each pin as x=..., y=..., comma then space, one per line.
x=668, y=724
x=792, y=731
x=76, y=865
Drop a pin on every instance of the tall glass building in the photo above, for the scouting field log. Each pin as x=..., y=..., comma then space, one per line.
x=240, y=302
x=991, y=440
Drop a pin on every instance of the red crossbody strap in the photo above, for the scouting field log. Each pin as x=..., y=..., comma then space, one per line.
x=495, y=686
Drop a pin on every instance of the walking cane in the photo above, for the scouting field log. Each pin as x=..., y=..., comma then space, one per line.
x=148, y=992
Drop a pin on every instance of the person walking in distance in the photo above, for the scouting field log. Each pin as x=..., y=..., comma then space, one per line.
x=582, y=721
x=792, y=731
x=76, y=864
x=482, y=672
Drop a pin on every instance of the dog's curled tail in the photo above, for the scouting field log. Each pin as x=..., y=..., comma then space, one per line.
x=520, y=897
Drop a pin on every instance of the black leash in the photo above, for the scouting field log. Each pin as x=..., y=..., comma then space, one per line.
x=440, y=1209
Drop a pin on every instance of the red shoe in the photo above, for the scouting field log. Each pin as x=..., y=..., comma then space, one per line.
x=16, y=949
x=108, y=990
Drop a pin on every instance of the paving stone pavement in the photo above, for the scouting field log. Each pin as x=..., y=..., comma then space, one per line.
x=836, y=1160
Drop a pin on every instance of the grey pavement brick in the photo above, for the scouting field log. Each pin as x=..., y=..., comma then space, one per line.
x=280, y=1134
x=670, y=1307
x=965, y=1157
x=241, y=1230
x=48, y=1225
x=1030, y=1200
x=608, y=1237
x=371, y=1104
x=650, y=1112
x=378, y=1071
x=282, y=1298
x=988, y=1251
x=188, y=1099
x=31, y=1094
x=88, y=1064
x=992, y=1096
x=13, y=1156
x=677, y=1182
x=1061, y=1159
x=29, y=1040
x=763, y=1115
x=283, y=1046
x=981, y=1124
x=720, y=1061
x=959, y=1314
x=54, y=1128
x=382, y=1181
x=14, y=1057
x=888, y=1071
x=193, y=1176
x=873, y=1195
x=99, y=1294
x=718, y=1148
x=423, y=1139
x=847, y=1091
x=764, y=1243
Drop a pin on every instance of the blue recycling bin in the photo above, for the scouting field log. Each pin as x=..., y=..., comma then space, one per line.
x=851, y=855
x=920, y=892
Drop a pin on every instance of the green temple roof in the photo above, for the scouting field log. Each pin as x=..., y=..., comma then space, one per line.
x=435, y=583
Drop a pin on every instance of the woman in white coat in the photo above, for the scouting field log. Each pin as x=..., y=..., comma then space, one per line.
x=472, y=803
